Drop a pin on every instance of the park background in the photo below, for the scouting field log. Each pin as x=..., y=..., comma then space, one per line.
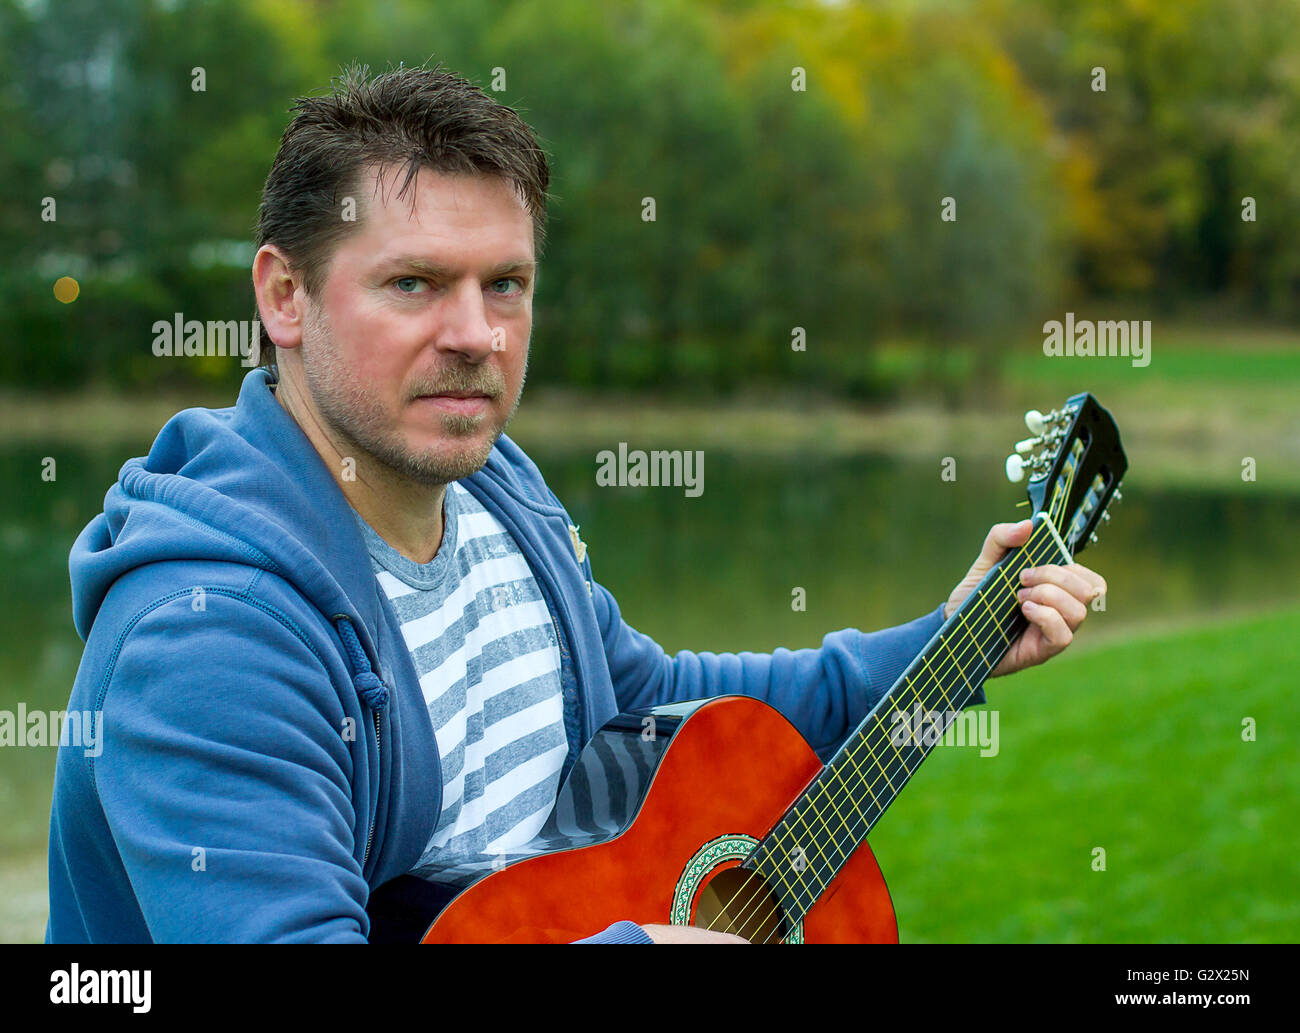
x=775, y=208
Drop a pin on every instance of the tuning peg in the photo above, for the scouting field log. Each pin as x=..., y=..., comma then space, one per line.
x=1093, y=538
x=1105, y=516
x=1035, y=422
x=1028, y=445
x=1015, y=468
x=1117, y=497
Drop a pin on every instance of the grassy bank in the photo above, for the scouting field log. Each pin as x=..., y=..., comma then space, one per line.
x=1135, y=748
x=1207, y=400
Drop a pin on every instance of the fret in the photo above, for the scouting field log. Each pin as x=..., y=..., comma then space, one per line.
x=834, y=814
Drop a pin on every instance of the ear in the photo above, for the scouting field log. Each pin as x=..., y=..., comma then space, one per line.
x=280, y=296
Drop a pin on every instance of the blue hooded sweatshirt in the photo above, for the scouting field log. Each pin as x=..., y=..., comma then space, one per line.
x=267, y=760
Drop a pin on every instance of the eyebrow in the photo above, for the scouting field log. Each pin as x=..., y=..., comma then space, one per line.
x=439, y=272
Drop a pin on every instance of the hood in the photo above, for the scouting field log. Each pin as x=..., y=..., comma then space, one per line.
x=240, y=484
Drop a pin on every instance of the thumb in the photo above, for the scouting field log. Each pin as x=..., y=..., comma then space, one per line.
x=1002, y=537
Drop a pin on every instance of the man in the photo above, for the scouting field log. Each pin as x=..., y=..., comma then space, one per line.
x=344, y=638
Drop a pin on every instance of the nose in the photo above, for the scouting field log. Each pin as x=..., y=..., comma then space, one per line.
x=463, y=327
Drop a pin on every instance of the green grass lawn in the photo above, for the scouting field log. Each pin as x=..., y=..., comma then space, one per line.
x=1200, y=381
x=1136, y=748
x=1182, y=353
x=1211, y=396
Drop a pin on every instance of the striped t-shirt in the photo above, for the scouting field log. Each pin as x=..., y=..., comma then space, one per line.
x=485, y=650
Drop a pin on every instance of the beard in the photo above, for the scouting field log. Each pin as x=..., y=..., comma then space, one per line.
x=362, y=424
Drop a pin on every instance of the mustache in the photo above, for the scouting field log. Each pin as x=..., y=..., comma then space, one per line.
x=485, y=380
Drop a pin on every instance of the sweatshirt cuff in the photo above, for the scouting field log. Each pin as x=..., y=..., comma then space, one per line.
x=620, y=932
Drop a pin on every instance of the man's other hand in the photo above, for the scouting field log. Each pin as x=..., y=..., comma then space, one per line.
x=688, y=934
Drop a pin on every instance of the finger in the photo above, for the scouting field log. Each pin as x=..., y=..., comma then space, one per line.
x=1058, y=599
x=1090, y=576
x=1050, y=624
x=1064, y=577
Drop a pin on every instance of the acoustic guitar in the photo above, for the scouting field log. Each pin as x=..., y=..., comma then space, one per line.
x=718, y=813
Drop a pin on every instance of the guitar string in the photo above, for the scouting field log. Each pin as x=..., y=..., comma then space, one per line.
x=758, y=890
x=957, y=657
x=907, y=771
x=1030, y=547
x=1059, y=499
x=959, y=650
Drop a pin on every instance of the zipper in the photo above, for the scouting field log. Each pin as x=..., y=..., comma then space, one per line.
x=371, y=834
x=558, y=607
x=359, y=659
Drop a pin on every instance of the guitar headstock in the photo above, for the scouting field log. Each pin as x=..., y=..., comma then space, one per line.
x=1078, y=471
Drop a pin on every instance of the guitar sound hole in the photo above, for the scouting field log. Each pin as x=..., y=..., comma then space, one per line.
x=738, y=901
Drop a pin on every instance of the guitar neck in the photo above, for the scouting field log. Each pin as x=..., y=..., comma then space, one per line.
x=805, y=850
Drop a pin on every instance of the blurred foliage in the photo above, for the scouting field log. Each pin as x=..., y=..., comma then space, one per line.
x=776, y=208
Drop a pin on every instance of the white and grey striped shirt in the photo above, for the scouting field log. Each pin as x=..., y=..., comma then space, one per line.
x=485, y=650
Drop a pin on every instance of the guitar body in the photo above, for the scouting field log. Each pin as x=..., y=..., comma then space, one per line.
x=731, y=768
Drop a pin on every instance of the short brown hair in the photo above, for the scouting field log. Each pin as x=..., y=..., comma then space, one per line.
x=411, y=117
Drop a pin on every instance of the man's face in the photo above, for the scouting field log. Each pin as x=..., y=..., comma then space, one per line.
x=415, y=351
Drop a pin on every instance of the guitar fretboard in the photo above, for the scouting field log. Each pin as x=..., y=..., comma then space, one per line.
x=805, y=850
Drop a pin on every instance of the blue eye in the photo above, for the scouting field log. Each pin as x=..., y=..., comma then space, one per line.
x=509, y=280
x=407, y=279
